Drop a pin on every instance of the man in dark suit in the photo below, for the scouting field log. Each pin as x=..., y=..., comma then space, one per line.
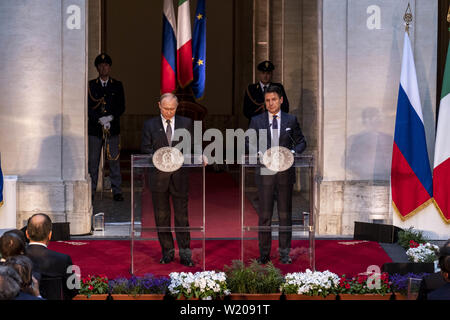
x=51, y=265
x=254, y=95
x=443, y=292
x=283, y=130
x=158, y=133
x=106, y=103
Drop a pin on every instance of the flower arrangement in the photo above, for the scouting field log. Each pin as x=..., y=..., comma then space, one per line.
x=255, y=278
x=311, y=283
x=206, y=285
x=148, y=284
x=406, y=237
x=373, y=283
x=399, y=282
x=97, y=284
x=422, y=252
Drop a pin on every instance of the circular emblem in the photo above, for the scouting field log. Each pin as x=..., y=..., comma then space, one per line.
x=278, y=159
x=168, y=159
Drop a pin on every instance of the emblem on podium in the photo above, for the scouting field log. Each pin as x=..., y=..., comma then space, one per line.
x=278, y=159
x=168, y=159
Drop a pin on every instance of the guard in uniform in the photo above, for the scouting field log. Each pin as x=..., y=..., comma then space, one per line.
x=254, y=95
x=106, y=103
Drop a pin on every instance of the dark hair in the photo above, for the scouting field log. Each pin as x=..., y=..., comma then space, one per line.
x=11, y=244
x=274, y=89
x=23, y=266
x=9, y=283
x=39, y=231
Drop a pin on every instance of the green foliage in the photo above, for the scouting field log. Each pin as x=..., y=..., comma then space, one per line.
x=406, y=236
x=255, y=278
x=94, y=285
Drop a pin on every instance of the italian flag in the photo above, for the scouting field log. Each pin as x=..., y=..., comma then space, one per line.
x=184, y=44
x=441, y=172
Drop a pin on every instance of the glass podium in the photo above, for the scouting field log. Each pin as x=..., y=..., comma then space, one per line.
x=270, y=234
x=147, y=184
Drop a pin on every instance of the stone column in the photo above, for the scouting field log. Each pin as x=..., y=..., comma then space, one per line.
x=43, y=135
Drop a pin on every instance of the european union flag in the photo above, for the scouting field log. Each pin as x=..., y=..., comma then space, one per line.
x=199, y=50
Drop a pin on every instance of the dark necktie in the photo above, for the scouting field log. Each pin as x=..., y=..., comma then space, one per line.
x=275, y=122
x=274, y=131
x=169, y=132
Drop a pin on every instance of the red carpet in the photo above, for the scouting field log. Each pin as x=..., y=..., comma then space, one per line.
x=222, y=210
x=112, y=258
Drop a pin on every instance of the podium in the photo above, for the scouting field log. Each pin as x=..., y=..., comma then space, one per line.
x=302, y=230
x=145, y=199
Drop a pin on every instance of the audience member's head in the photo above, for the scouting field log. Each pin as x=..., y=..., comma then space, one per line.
x=23, y=266
x=12, y=244
x=39, y=228
x=444, y=260
x=9, y=283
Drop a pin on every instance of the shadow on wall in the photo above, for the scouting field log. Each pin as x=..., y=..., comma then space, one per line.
x=368, y=155
x=49, y=167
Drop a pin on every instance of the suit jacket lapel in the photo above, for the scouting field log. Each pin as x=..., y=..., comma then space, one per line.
x=267, y=126
x=283, y=125
x=162, y=131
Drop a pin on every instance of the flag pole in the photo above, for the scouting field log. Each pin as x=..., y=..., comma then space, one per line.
x=408, y=18
x=448, y=16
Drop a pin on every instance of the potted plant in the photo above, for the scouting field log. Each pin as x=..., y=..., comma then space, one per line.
x=147, y=287
x=310, y=285
x=206, y=285
x=255, y=282
x=406, y=237
x=422, y=252
x=93, y=288
x=372, y=286
x=399, y=283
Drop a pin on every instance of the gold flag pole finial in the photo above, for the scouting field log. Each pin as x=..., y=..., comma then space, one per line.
x=408, y=17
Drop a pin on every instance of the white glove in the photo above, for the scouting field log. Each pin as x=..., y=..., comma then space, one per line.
x=107, y=125
x=105, y=119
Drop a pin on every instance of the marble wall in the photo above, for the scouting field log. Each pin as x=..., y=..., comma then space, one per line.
x=43, y=114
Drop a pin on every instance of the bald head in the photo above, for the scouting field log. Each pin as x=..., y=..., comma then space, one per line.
x=39, y=228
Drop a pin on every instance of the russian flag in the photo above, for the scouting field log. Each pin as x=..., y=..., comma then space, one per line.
x=169, y=49
x=411, y=179
x=199, y=50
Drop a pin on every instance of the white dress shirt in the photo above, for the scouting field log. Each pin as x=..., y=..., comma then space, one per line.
x=104, y=82
x=267, y=85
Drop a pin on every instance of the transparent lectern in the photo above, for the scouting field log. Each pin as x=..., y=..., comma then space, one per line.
x=146, y=234
x=301, y=234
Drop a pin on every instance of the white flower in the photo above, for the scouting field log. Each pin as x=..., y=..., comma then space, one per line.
x=204, y=284
x=310, y=282
x=423, y=253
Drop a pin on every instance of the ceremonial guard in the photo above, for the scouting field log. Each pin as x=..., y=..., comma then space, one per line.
x=106, y=103
x=254, y=95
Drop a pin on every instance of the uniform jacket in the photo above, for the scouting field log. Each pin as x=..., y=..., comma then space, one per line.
x=104, y=102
